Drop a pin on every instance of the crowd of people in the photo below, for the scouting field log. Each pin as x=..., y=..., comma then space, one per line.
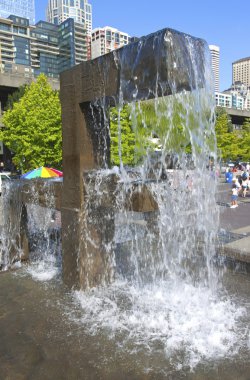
x=240, y=186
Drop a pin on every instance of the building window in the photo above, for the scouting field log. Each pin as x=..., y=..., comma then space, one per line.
x=4, y=27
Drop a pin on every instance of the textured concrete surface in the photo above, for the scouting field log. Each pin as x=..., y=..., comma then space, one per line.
x=235, y=221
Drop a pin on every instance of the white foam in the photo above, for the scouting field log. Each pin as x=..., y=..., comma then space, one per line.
x=44, y=270
x=185, y=319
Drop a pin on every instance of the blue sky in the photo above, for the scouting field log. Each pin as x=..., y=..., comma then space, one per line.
x=219, y=22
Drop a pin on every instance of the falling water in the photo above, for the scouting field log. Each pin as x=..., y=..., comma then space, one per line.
x=40, y=226
x=161, y=300
x=160, y=150
x=165, y=291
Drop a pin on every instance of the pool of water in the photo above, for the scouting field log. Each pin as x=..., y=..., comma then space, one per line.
x=121, y=332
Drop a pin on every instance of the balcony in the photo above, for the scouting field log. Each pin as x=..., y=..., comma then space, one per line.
x=5, y=54
x=6, y=37
x=6, y=43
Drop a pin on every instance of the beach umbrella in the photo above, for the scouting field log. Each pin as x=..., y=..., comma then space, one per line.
x=42, y=172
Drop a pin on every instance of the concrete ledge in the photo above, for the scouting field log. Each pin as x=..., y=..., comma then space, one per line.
x=243, y=230
x=238, y=250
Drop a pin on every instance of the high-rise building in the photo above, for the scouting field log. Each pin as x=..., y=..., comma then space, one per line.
x=14, y=42
x=106, y=39
x=21, y=8
x=74, y=44
x=241, y=71
x=79, y=10
x=215, y=60
x=42, y=48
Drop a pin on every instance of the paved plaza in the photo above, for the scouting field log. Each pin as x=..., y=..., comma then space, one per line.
x=236, y=224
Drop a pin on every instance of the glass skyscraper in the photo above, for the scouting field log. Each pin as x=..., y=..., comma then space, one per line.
x=22, y=8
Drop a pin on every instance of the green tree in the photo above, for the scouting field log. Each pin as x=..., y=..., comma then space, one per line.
x=227, y=139
x=32, y=127
x=15, y=97
x=152, y=118
x=244, y=140
x=122, y=137
x=130, y=138
x=170, y=124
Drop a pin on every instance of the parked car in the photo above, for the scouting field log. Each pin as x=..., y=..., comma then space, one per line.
x=4, y=176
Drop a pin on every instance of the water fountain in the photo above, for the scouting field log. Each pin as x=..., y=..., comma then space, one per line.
x=139, y=218
x=148, y=75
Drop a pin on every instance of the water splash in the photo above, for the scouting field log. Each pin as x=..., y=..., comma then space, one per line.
x=166, y=290
x=179, y=225
x=37, y=228
x=189, y=324
x=166, y=294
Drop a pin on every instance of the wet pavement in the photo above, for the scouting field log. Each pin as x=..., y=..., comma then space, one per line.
x=235, y=223
x=42, y=337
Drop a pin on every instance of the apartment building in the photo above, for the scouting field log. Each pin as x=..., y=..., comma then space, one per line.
x=74, y=44
x=14, y=41
x=34, y=47
x=44, y=49
x=241, y=71
x=215, y=61
x=41, y=48
x=240, y=89
x=229, y=100
x=107, y=39
x=21, y=8
x=80, y=11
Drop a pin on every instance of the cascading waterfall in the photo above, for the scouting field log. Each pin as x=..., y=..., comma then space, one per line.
x=150, y=218
x=10, y=229
x=41, y=226
x=166, y=291
x=162, y=144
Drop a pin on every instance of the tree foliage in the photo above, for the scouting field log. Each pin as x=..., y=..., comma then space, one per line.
x=225, y=137
x=130, y=137
x=32, y=127
x=244, y=142
x=169, y=124
x=232, y=143
x=15, y=97
x=122, y=137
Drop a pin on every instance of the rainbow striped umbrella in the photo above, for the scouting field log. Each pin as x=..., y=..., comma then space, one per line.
x=42, y=172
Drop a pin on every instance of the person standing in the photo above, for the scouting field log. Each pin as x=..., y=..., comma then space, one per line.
x=234, y=198
x=237, y=183
x=244, y=186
